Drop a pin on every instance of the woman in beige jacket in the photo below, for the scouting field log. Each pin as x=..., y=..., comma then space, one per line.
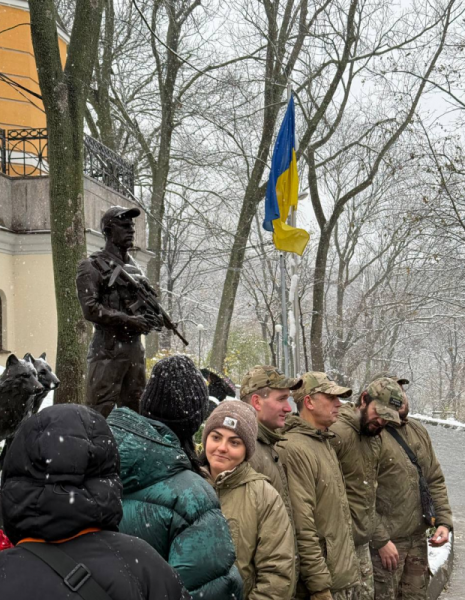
x=257, y=517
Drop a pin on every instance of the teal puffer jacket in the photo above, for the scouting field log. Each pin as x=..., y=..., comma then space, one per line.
x=172, y=508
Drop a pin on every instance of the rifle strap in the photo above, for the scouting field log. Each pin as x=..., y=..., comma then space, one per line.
x=76, y=576
x=408, y=451
x=112, y=258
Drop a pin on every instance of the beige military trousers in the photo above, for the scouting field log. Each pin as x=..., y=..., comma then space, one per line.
x=367, y=584
x=351, y=593
x=411, y=578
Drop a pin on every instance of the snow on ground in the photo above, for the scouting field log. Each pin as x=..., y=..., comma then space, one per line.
x=438, y=556
x=450, y=422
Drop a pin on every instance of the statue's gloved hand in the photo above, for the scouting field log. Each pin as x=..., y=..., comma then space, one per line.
x=139, y=324
x=323, y=595
x=156, y=320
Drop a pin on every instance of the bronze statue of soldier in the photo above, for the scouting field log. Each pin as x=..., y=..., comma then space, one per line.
x=116, y=357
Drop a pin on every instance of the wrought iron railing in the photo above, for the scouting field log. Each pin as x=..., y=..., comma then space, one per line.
x=106, y=166
x=24, y=153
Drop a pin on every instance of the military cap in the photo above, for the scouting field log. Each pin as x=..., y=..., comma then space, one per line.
x=116, y=212
x=400, y=380
x=262, y=376
x=387, y=398
x=315, y=381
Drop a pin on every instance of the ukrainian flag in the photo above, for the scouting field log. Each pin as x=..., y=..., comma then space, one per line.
x=283, y=189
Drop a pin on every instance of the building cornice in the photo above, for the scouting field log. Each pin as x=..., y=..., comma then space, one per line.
x=39, y=242
x=16, y=244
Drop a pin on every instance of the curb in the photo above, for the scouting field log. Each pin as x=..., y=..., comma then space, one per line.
x=436, y=424
x=441, y=578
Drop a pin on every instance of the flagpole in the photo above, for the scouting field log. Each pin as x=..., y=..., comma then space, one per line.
x=281, y=193
x=285, y=337
x=296, y=308
x=284, y=315
x=294, y=268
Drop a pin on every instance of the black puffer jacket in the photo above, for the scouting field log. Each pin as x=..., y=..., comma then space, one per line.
x=60, y=479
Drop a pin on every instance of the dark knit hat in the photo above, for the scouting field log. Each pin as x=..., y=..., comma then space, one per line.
x=237, y=416
x=176, y=395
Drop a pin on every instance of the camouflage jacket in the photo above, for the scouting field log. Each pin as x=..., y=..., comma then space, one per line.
x=266, y=460
x=321, y=511
x=359, y=458
x=398, y=505
x=261, y=531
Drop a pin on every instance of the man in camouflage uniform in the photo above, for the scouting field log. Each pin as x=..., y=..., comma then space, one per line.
x=358, y=448
x=267, y=390
x=399, y=547
x=116, y=357
x=328, y=563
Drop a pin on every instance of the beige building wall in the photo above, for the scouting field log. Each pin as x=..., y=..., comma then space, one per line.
x=35, y=306
x=8, y=303
x=29, y=318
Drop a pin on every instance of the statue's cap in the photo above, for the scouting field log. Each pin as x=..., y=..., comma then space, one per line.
x=116, y=212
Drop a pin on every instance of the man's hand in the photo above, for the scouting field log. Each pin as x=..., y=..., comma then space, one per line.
x=389, y=556
x=440, y=538
x=323, y=595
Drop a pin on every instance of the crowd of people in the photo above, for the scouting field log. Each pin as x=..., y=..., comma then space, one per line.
x=333, y=502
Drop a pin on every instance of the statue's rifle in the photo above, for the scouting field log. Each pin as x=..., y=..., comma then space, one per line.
x=145, y=297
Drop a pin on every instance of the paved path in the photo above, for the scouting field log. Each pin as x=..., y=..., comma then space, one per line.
x=449, y=446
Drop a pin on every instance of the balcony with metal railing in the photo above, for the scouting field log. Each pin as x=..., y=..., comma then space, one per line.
x=24, y=153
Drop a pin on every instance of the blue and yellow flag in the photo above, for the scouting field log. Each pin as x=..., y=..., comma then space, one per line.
x=283, y=189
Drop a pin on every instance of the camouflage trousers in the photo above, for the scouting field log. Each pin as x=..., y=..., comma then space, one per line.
x=411, y=578
x=367, y=584
x=351, y=593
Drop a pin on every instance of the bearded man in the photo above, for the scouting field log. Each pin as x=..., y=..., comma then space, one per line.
x=358, y=446
x=399, y=548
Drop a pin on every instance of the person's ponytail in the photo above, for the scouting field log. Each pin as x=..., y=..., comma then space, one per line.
x=189, y=448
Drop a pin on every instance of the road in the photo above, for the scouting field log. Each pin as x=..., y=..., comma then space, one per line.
x=449, y=445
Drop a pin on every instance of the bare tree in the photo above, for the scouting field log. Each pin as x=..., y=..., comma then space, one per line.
x=64, y=94
x=283, y=28
x=377, y=142
x=154, y=103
